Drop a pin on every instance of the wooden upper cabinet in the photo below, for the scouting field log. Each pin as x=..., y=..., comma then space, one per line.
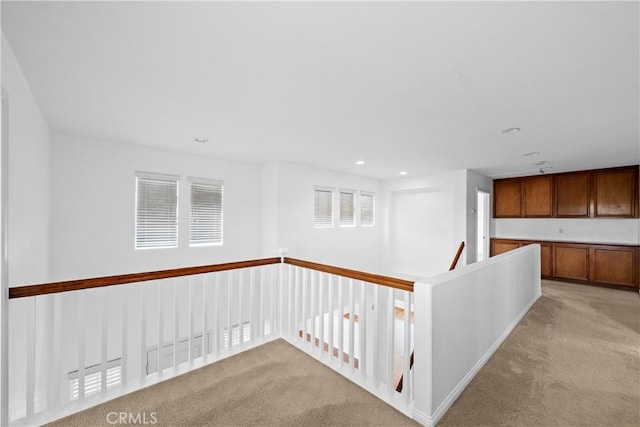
x=507, y=198
x=537, y=196
x=615, y=193
x=572, y=195
x=595, y=193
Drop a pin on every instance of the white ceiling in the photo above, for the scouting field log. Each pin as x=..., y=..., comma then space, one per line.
x=416, y=86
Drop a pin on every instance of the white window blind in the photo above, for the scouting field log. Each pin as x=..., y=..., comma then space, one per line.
x=367, y=209
x=156, y=211
x=205, y=225
x=323, y=208
x=347, y=208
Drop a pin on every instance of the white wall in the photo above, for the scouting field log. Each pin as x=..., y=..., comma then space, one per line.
x=461, y=318
x=93, y=208
x=454, y=212
x=352, y=247
x=29, y=148
x=597, y=230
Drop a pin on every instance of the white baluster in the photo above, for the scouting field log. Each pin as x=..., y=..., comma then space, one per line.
x=176, y=325
x=205, y=316
x=217, y=306
x=229, y=300
x=252, y=308
x=143, y=338
x=391, y=386
x=331, y=310
x=406, y=388
x=304, y=306
x=160, y=329
x=312, y=308
x=362, y=329
x=31, y=355
x=352, y=348
x=103, y=292
x=124, y=313
x=376, y=328
x=190, y=311
x=341, y=323
x=320, y=315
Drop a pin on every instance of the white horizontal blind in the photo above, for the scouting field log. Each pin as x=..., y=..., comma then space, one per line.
x=156, y=211
x=367, y=209
x=205, y=225
x=323, y=208
x=347, y=208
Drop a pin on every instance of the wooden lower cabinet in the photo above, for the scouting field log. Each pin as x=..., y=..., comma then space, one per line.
x=614, y=265
x=592, y=263
x=571, y=262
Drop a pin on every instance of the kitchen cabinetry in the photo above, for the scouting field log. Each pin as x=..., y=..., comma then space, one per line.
x=616, y=265
x=570, y=261
x=572, y=195
x=509, y=202
x=591, y=263
x=537, y=196
x=610, y=193
x=615, y=193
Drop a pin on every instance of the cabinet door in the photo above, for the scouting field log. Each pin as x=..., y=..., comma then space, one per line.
x=537, y=196
x=572, y=195
x=501, y=246
x=507, y=198
x=613, y=265
x=615, y=193
x=571, y=261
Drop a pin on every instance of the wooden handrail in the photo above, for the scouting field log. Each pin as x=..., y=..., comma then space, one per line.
x=457, y=257
x=99, y=282
x=391, y=282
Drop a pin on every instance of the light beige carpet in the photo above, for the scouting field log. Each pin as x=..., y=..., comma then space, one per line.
x=271, y=385
x=574, y=360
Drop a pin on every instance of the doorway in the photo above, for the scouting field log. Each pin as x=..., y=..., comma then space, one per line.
x=482, y=244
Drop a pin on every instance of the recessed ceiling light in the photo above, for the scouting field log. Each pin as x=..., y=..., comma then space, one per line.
x=202, y=140
x=360, y=162
x=533, y=153
x=403, y=172
x=509, y=130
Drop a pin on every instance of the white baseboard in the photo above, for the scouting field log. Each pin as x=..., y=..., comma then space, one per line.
x=458, y=389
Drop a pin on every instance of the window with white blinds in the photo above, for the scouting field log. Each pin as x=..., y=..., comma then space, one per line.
x=205, y=222
x=323, y=208
x=367, y=209
x=156, y=211
x=347, y=208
